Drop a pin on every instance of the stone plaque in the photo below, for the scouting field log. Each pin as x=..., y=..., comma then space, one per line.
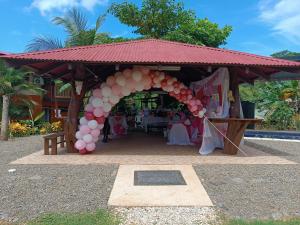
x=158, y=178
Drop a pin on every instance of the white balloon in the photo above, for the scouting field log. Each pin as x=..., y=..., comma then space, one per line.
x=87, y=138
x=83, y=121
x=139, y=87
x=92, y=124
x=100, y=126
x=137, y=76
x=121, y=80
x=105, y=99
x=106, y=107
x=97, y=102
x=201, y=114
x=125, y=91
x=106, y=91
x=78, y=135
x=114, y=99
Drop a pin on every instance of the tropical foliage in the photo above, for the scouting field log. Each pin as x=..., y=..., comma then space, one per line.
x=168, y=19
x=75, y=24
x=25, y=128
x=278, y=101
x=13, y=83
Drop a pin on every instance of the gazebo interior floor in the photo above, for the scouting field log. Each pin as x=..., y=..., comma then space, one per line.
x=140, y=143
x=138, y=148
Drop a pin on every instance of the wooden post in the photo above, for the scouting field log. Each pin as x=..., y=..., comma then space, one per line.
x=235, y=106
x=71, y=123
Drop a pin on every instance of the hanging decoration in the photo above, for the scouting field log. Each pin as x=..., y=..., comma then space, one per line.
x=122, y=84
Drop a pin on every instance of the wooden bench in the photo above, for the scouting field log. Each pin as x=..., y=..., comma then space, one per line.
x=235, y=131
x=51, y=148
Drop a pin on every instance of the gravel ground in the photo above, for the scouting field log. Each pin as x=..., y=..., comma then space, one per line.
x=285, y=149
x=253, y=191
x=246, y=191
x=167, y=215
x=35, y=189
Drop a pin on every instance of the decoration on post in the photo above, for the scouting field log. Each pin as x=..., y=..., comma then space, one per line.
x=78, y=86
x=123, y=84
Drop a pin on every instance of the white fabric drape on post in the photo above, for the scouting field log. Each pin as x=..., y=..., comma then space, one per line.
x=210, y=87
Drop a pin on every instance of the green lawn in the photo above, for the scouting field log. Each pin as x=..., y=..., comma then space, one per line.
x=101, y=217
x=264, y=222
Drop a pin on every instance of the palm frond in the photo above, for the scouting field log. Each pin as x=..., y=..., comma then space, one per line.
x=73, y=22
x=99, y=22
x=41, y=43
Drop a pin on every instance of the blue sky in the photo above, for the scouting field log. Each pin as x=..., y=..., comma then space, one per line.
x=259, y=26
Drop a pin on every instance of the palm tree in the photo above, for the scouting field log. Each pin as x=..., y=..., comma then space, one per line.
x=78, y=33
x=12, y=83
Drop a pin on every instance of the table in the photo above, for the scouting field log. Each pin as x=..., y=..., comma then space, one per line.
x=235, y=131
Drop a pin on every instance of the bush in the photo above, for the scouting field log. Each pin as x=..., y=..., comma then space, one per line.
x=25, y=128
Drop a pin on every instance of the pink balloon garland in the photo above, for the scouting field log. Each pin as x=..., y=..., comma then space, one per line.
x=123, y=84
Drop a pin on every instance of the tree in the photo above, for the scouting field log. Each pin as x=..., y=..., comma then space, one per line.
x=12, y=83
x=168, y=19
x=285, y=53
x=78, y=34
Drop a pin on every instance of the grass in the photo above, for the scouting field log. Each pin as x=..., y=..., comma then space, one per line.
x=295, y=221
x=100, y=217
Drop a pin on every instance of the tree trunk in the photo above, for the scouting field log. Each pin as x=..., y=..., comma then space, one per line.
x=71, y=123
x=5, y=118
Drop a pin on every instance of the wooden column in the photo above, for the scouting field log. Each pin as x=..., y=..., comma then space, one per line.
x=71, y=123
x=235, y=106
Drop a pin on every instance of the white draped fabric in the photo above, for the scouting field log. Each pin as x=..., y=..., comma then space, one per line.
x=178, y=135
x=210, y=87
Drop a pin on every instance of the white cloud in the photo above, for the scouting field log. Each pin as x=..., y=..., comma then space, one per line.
x=48, y=5
x=283, y=16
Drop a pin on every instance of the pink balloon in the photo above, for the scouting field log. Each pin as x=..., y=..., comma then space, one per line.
x=97, y=93
x=84, y=129
x=95, y=133
x=89, y=108
x=80, y=144
x=127, y=73
x=145, y=70
x=192, y=102
x=111, y=80
x=194, y=108
x=91, y=147
x=98, y=112
x=116, y=90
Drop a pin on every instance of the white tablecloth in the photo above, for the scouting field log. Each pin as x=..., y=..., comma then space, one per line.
x=178, y=135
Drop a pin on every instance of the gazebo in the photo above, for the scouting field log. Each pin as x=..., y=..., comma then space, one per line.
x=85, y=67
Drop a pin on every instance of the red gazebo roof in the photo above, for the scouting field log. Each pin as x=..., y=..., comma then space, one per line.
x=153, y=51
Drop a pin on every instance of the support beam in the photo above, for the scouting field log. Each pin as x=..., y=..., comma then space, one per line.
x=71, y=123
x=234, y=87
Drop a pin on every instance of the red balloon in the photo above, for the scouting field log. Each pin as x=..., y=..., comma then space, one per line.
x=100, y=120
x=183, y=91
x=176, y=84
x=83, y=151
x=89, y=115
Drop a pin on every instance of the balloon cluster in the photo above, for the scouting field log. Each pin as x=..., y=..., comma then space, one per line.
x=123, y=84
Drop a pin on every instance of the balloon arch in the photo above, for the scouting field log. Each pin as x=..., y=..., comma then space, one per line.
x=122, y=84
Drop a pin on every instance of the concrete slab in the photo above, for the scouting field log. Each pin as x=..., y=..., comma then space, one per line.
x=126, y=194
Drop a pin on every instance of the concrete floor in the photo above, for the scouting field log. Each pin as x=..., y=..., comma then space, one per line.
x=141, y=148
